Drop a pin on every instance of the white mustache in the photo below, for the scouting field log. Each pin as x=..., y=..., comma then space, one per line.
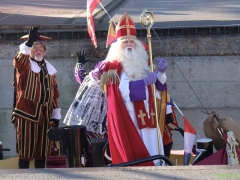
x=38, y=57
x=128, y=48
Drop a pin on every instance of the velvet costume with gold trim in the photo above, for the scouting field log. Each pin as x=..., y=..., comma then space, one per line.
x=31, y=96
x=166, y=126
x=36, y=95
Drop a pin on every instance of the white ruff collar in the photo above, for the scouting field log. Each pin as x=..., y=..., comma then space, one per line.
x=35, y=67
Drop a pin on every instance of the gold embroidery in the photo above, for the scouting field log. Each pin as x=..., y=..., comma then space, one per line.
x=152, y=114
x=172, y=126
x=141, y=115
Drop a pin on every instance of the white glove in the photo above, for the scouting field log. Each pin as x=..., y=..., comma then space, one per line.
x=158, y=94
x=169, y=109
x=56, y=114
x=162, y=77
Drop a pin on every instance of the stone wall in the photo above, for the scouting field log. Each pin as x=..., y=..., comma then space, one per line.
x=203, y=73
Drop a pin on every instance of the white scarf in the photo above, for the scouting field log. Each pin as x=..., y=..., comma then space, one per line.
x=35, y=67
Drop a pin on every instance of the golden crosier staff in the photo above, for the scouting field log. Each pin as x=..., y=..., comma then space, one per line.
x=147, y=20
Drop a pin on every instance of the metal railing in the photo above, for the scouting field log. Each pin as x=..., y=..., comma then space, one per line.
x=65, y=32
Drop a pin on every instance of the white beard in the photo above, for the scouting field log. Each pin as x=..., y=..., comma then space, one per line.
x=134, y=62
x=134, y=66
x=38, y=58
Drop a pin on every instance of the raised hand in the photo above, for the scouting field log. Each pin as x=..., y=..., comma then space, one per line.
x=32, y=36
x=82, y=57
x=81, y=60
x=162, y=65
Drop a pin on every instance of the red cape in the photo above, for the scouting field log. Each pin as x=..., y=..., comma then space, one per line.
x=124, y=140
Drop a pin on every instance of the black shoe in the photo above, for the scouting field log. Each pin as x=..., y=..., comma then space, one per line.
x=23, y=164
x=40, y=163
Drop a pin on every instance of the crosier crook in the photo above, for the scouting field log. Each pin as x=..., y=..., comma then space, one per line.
x=147, y=20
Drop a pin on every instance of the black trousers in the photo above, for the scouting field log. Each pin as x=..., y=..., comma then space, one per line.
x=24, y=164
x=167, y=149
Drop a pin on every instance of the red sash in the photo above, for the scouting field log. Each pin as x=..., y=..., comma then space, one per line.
x=141, y=114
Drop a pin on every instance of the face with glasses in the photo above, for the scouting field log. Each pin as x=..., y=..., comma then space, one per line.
x=37, y=52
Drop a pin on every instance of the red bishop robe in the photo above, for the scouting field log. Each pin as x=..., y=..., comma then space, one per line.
x=124, y=140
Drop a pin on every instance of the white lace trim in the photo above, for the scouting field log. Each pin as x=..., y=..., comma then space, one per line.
x=162, y=77
x=35, y=67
